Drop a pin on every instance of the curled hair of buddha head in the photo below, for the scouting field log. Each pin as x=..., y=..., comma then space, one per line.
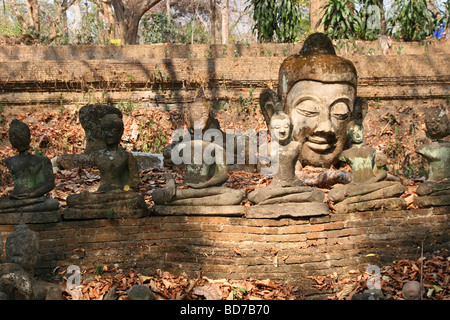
x=19, y=135
x=316, y=61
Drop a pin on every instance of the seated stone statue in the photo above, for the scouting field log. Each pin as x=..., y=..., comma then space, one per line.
x=199, y=114
x=285, y=187
x=17, y=280
x=117, y=194
x=201, y=122
x=368, y=189
x=436, y=190
x=33, y=178
x=205, y=172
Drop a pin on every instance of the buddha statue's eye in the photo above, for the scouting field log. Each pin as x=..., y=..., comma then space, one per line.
x=307, y=108
x=340, y=110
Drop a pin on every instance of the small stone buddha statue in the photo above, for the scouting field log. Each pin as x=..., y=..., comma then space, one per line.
x=284, y=153
x=119, y=180
x=33, y=178
x=17, y=280
x=368, y=189
x=285, y=196
x=199, y=115
x=436, y=190
x=205, y=172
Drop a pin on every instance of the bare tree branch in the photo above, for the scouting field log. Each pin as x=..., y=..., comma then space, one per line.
x=18, y=14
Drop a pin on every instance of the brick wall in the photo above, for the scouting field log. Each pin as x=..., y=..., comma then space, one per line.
x=169, y=75
x=240, y=248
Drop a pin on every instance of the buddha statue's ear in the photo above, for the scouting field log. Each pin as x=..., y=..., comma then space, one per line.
x=269, y=104
x=359, y=110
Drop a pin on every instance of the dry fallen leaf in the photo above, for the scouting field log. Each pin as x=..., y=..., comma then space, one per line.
x=210, y=291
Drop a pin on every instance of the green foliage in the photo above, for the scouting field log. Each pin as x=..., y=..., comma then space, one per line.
x=446, y=12
x=99, y=269
x=112, y=215
x=337, y=18
x=91, y=27
x=236, y=292
x=158, y=27
x=126, y=106
x=36, y=151
x=10, y=29
x=367, y=21
x=277, y=20
x=411, y=20
x=193, y=32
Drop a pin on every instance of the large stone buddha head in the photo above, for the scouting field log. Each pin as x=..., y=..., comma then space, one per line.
x=317, y=89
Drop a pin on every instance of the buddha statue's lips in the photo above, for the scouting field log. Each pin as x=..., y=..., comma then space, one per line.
x=320, y=144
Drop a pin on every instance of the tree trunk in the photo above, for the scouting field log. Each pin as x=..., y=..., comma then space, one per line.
x=212, y=4
x=107, y=15
x=382, y=17
x=19, y=16
x=225, y=21
x=33, y=15
x=33, y=12
x=314, y=12
x=78, y=17
x=128, y=15
x=59, y=16
x=131, y=27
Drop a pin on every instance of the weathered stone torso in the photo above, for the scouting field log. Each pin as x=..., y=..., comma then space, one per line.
x=362, y=161
x=28, y=172
x=437, y=154
x=113, y=166
x=286, y=158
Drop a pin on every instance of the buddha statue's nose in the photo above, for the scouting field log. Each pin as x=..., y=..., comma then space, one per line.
x=324, y=125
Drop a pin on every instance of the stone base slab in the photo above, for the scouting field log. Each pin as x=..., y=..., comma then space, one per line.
x=287, y=210
x=228, y=211
x=432, y=201
x=30, y=217
x=391, y=204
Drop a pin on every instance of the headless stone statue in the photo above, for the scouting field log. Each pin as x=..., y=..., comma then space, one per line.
x=17, y=280
x=33, y=178
x=117, y=194
x=205, y=172
x=285, y=188
x=368, y=189
x=436, y=190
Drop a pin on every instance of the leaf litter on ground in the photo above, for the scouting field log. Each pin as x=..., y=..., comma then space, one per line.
x=166, y=286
